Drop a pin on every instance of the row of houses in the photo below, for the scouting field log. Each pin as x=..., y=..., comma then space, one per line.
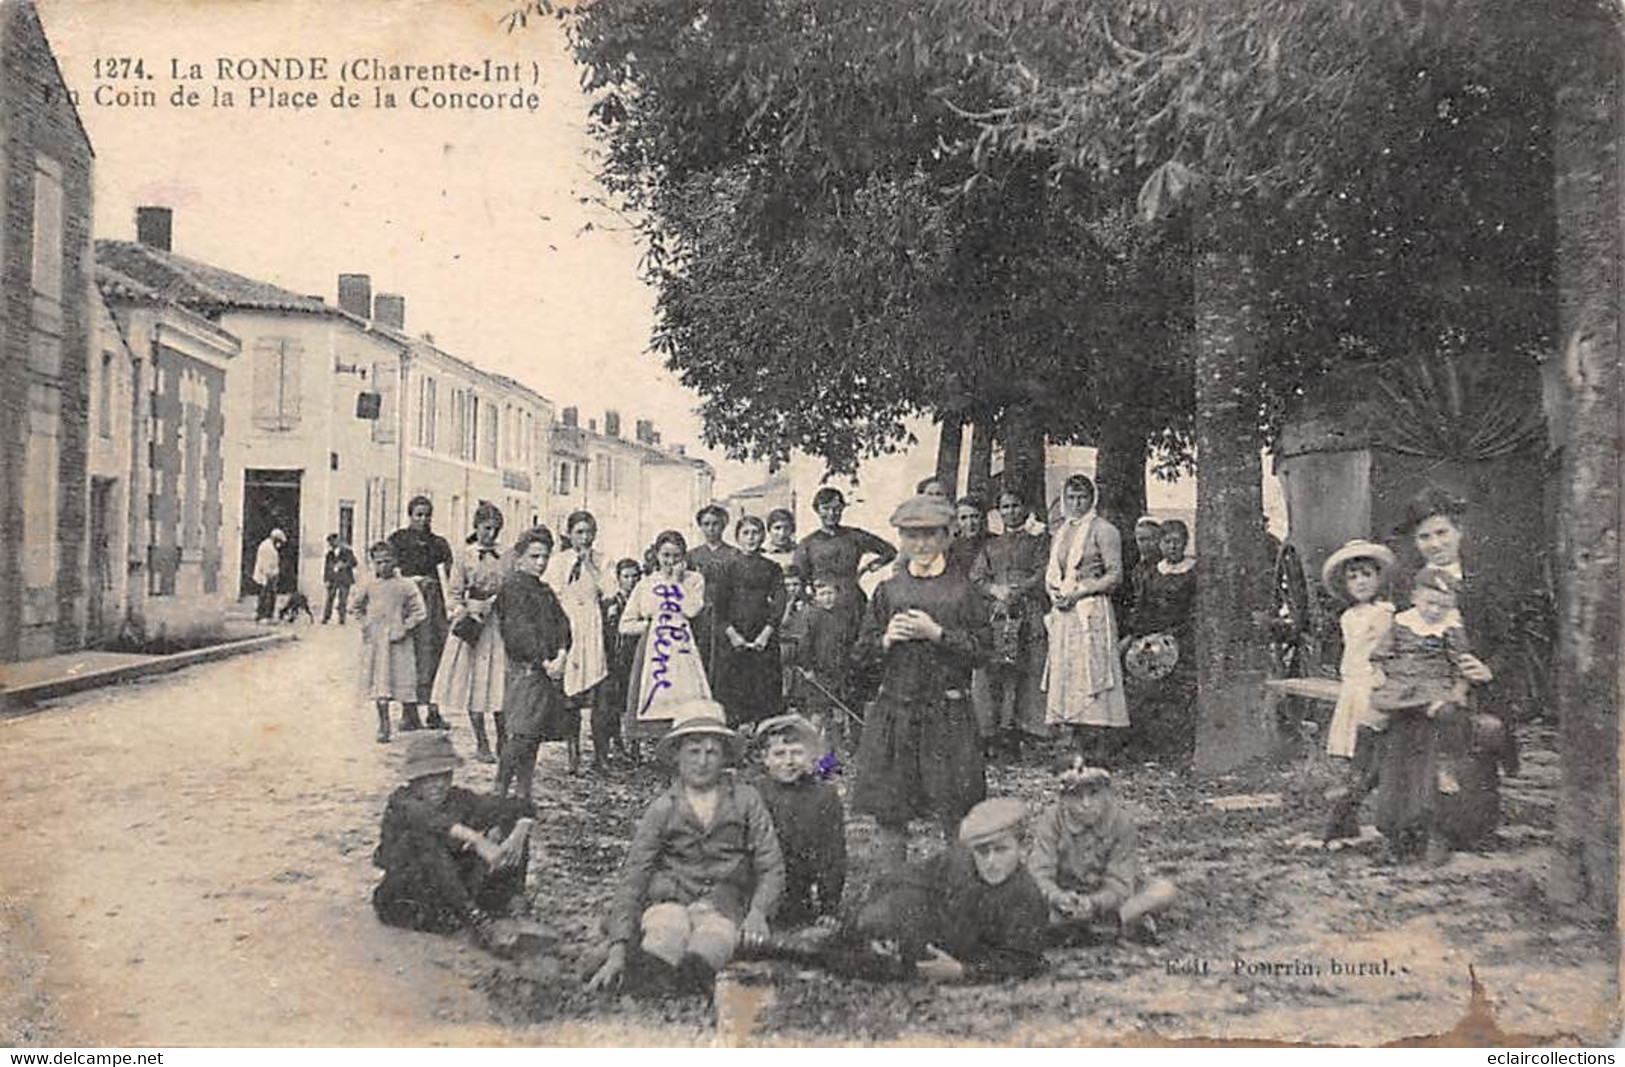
x=162, y=414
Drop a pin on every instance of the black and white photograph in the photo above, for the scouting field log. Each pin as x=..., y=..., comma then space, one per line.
x=810, y=523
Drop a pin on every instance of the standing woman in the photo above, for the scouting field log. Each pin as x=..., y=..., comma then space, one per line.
x=577, y=577
x=836, y=553
x=1482, y=745
x=1083, y=677
x=666, y=671
x=715, y=559
x=473, y=668
x=749, y=609
x=425, y=557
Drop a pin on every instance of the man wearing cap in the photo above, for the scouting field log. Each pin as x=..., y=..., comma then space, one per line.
x=704, y=866
x=450, y=857
x=268, y=574
x=927, y=627
x=1085, y=857
x=971, y=912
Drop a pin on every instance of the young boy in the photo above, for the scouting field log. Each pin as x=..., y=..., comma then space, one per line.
x=451, y=858
x=610, y=700
x=704, y=867
x=1085, y=858
x=969, y=913
x=808, y=819
x=392, y=608
x=824, y=673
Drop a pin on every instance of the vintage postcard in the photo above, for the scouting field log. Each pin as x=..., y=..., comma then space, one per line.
x=684, y=522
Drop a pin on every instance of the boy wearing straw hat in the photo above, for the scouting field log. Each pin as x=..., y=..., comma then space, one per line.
x=450, y=857
x=704, y=867
x=1085, y=857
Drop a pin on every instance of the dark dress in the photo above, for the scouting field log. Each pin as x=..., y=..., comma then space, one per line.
x=996, y=931
x=811, y=826
x=534, y=631
x=962, y=553
x=1009, y=695
x=749, y=682
x=835, y=557
x=921, y=751
x=1165, y=708
x=824, y=645
x=609, y=701
x=1468, y=818
x=1419, y=669
x=717, y=565
x=431, y=883
x=419, y=555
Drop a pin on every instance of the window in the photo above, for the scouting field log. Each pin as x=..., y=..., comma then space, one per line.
x=605, y=471
x=277, y=383
x=488, y=439
x=386, y=382
x=427, y=412
x=564, y=479
x=48, y=228
x=346, y=529
x=40, y=489
x=459, y=421
x=104, y=397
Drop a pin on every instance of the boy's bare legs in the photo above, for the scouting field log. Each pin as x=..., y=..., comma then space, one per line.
x=383, y=722
x=482, y=744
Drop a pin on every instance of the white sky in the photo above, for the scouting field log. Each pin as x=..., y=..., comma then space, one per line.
x=475, y=217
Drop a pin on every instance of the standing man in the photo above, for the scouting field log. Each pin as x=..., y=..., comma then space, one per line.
x=267, y=574
x=338, y=574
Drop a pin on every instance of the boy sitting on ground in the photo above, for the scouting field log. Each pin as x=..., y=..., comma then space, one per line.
x=808, y=819
x=1085, y=857
x=704, y=867
x=451, y=858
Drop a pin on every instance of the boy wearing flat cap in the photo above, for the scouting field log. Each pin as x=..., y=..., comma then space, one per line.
x=450, y=857
x=704, y=867
x=969, y=913
x=808, y=818
x=1085, y=858
x=927, y=627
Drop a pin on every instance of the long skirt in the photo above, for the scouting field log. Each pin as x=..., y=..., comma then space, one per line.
x=1010, y=696
x=389, y=669
x=1467, y=815
x=919, y=758
x=1083, y=676
x=534, y=707
x=472, y=677
x=429, y=638
x=751, y=684
x=1407, y=777
x=666, y=672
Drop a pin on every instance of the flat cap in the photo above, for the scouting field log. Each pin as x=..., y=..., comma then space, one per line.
x=991, y=818
x=923, y=513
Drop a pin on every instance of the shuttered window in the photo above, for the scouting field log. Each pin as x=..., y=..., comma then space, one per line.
x=277, y=383
x=386, y=381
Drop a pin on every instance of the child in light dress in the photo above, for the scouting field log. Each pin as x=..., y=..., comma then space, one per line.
x=1359, y=571
x=392, y=608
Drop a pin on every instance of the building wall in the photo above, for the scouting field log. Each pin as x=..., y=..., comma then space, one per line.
x=45, y=333
x=114, y=444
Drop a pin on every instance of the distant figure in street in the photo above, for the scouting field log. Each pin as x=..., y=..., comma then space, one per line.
x=1085, y=857
x=425, y=557
x=667, y=672
x=578, y=576
x=452, y=859
x=536, y=637
x=474, y=667
x=839, y=553
x=393, y=609
x=268, y=574
x=338, y=575
x=1083, y=676
x=704, y=867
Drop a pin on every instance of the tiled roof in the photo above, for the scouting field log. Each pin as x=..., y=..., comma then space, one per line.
x=201, y=286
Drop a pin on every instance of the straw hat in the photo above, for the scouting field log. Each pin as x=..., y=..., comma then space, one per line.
x=1356, y=549
x=697, y=718
x=430, y=754
x=923, y=513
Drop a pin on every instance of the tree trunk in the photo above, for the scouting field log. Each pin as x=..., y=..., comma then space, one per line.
x=979, y=479
x=1589, y=238
x=1024, y=455
x=1232, y=572
x=950, y=439
x=1120, y=476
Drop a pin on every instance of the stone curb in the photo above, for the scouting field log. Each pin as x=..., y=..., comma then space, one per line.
x=18, y=701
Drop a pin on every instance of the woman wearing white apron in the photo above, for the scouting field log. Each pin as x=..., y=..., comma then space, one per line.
x=576, y=575
x=1082, y=677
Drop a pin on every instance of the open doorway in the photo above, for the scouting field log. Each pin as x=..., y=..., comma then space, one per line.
x=270, y=502
x=102, y=523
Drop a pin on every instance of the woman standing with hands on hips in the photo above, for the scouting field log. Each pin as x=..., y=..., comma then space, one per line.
x=1083, y=677
x=837, y=553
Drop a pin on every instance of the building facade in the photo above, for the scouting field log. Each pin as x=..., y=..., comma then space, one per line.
x=46, y=323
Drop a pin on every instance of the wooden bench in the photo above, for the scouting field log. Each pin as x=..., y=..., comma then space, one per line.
x=1321, y=689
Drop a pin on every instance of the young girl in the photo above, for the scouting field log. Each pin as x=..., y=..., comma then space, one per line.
x=536, y=635
x=781, y=537
x=749, y=609
x=1358, y=569
x=619, y=648
x=666, y=671
x=1422, y=682
x=474, y=667
x=392, y=608
x=576, y=576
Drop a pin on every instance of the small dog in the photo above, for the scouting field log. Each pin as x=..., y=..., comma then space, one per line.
x=297, y=602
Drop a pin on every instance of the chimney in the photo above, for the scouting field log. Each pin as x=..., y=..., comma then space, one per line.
x=644, y=430
x=571, y=417
x=355, y=295
x=592, y=425
x=154, y=227
x=389, y=309
x=612, y=423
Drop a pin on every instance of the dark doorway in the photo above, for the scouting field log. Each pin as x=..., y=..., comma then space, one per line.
x=270, y=502
x=101, y=557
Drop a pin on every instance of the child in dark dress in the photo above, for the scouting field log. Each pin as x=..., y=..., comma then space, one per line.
x=451, y=858
x=808, y=818
x=536, y=635
x=610, y=701
x=824, y=673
